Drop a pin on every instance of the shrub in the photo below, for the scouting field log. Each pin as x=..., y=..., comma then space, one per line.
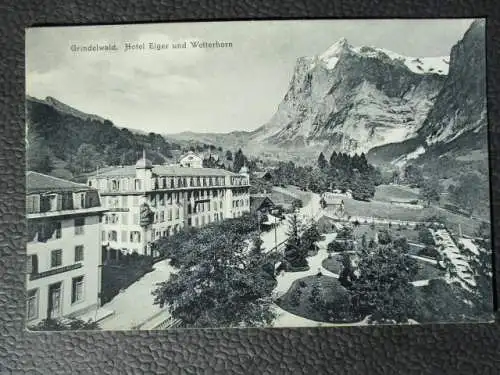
x=336, y=247
x=67, y=324
x=384, y=237
x=425, y=237
x=346, y=233
x=430, y=251
x=401, y=243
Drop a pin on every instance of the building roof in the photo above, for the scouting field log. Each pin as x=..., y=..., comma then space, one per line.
x=261, y=174
x=257, y=201
x=42, y=183
x=162, y=170
x=333, y=200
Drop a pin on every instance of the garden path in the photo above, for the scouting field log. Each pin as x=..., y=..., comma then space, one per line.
x=134, y=306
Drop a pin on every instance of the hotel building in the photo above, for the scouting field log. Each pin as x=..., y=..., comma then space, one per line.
x=63, y=247
x=146, y=202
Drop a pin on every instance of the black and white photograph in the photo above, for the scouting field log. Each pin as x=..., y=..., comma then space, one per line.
x=305, y=173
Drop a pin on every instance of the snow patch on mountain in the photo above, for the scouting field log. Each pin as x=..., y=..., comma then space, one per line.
x=403, y=159
x=420, y=65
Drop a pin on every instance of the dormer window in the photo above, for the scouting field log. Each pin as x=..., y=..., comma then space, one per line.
x=138, y=184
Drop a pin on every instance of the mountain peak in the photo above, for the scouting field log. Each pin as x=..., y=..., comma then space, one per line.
x=336, y=48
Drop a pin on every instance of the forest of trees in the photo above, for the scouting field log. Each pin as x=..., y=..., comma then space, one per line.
x=341, y=172
x=85, y=143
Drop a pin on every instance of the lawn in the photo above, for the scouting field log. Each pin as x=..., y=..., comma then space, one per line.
x=426, y=270
x=395, y=231
x=386, y=210
x=319, y=298
x=387, y=193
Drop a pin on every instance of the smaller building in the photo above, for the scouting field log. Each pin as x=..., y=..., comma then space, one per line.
x=328, y=224
x=63, y=248
x=191, y=160
x=261, y=203
x=333, y=204
x=265, y=175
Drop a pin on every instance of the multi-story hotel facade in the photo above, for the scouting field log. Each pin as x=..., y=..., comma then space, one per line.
x=146, y=202
x=63, y=248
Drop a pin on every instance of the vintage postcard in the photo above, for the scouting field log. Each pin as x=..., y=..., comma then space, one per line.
x=257, y=174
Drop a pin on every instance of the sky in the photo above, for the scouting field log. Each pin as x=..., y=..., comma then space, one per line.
x=204, y=90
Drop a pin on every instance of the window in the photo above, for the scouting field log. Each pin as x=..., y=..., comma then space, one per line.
x=79, y=223
x=195, y=221
x=55, y=306
x=124, y=201
x=77, y=289
x=79, y=253
x=135, y=201
x=32, y=203
x=169, y=214
x=177, y=213
x=124, y=185
x=138, y=184
x=82, y=200
x=57, y=226
x=32, y=264
x=220, y=205
x=135, y=236
x=136, y=219
x=125, y=218
x=32, y=304
x=197, y=181
x=56, y=258
x=114, y=219
x=124, y=236
x=162, y=216
x=113, y=235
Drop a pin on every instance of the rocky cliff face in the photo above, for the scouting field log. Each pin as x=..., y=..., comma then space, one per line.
x=456, y=126
x=354, y=99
